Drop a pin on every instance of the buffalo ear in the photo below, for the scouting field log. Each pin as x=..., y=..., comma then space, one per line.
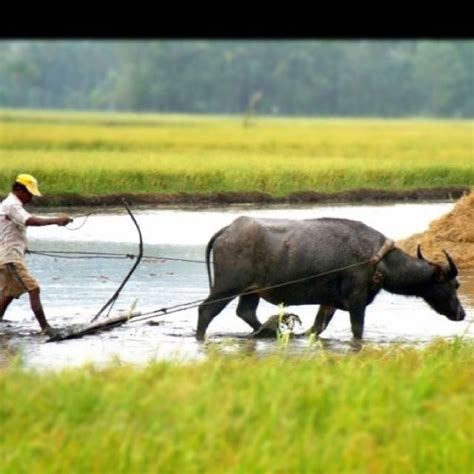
x=453, y=270
x=418, y=252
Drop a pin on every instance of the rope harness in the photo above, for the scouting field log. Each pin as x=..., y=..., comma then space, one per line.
x=374, y=261
x=196, y=303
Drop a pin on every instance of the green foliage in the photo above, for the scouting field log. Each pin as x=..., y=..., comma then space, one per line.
x=304, y=77
x=389, y=410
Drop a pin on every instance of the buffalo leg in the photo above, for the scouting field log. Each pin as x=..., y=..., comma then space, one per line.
x=357, y=321
x=247, y=310
x=208, y=310
x=323, y=318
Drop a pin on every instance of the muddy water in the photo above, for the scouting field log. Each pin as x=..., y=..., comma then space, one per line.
x=73, y=290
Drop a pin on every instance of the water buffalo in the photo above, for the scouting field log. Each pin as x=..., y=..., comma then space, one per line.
x=262, y=258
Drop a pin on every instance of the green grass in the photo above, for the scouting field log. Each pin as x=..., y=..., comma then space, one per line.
x=101, y=154
x=395, y=410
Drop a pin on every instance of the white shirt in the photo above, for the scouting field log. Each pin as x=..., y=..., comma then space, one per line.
x=12, y=230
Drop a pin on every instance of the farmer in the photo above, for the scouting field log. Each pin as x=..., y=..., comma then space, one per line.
x=15, y=279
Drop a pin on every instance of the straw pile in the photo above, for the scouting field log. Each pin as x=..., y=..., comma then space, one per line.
x=453, y=232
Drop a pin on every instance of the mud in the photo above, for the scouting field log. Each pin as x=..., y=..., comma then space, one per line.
x=453, y=232
x=224, y=198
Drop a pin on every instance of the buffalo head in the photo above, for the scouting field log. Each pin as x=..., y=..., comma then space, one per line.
x=441, y=292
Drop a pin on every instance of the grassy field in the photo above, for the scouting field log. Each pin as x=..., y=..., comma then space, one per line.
x=396, y=410
x=101, y=154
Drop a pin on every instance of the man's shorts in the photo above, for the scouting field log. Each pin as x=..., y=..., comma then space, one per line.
x=15, y=279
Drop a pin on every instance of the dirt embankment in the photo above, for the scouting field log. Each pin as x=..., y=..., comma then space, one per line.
x=453, y=232
x=225, y=198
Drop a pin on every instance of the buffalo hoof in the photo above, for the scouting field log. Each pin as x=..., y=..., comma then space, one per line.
x=355, y=344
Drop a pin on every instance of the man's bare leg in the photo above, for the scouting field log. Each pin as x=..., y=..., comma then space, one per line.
x=37, y=308
x=4, y=303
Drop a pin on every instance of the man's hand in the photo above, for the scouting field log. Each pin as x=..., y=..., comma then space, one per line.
x=63, y=220
x=41, y=221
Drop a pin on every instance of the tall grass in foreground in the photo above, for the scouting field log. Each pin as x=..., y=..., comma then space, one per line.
x=122, y=153
x=396, y=410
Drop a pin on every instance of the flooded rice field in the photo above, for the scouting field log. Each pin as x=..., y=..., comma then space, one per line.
x=74, y=290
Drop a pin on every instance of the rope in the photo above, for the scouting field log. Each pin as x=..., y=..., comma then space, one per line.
x=196, y=303
x=80, y=226
x=97, y=211
x=85, y=255
x=79, y=255
x=86, y=215
x=387, y=247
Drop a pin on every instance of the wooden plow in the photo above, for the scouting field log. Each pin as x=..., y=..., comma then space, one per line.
x=79, y=330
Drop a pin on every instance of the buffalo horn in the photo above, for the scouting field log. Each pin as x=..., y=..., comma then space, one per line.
x=418, y=252
x=453, y=271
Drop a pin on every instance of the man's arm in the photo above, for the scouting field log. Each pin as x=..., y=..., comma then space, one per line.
x=41, y=221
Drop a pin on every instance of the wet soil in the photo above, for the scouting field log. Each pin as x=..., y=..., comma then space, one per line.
x=224, y=198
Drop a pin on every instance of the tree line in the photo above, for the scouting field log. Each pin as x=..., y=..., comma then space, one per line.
x=384, y=78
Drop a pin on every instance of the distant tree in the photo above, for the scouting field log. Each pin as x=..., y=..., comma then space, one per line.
x=437, y=73
x=296, y=77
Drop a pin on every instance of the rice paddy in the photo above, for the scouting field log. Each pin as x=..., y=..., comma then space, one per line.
x=101, y=154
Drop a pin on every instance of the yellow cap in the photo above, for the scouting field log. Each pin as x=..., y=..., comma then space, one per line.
x=29, y=182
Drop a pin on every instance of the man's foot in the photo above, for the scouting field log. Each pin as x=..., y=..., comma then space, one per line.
x=50, y=331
